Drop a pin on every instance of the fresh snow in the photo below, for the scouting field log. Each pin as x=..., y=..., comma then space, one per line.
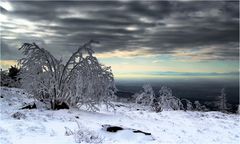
x=49, y=127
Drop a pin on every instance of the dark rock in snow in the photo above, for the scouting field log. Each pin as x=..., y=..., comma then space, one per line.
x=120, y=105
x=19, y=115
x=138, y=131
x=111, y=128
x=30, y=106
x=61, y=105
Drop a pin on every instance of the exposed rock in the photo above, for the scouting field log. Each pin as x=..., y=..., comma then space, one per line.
x=19, y=115
x=30, y=106
x=61, y=105
x=138, y=131
x=111, y=128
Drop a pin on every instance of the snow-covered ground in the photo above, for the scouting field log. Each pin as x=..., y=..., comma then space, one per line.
x=71, y=126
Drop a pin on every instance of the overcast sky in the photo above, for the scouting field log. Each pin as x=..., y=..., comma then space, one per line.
x=137, y=38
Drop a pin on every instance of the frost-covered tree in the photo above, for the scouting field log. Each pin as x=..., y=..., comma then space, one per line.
x=5, y=79
x=167, y=100
x=222, y=101
x=146, y=96
x=199, y=107
x=9, y=78
x=13, y=72
x=156, y=105
x=164, y=101
x=81, y=81
x=187, y=105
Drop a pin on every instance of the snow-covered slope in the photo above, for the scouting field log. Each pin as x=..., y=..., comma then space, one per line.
x=71, y=126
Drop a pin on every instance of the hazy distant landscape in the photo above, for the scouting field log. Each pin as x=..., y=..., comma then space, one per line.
x=205, y=90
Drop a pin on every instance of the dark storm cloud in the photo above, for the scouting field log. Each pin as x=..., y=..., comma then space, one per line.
x=8, y=52
x=164, y=27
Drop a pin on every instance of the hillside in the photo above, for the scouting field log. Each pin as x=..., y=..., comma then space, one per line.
x=69, y=126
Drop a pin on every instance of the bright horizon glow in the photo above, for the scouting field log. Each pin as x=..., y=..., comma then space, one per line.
x=126, y=71
x=158, y=77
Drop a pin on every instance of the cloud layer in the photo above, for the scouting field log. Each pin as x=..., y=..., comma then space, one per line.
x=197, y=30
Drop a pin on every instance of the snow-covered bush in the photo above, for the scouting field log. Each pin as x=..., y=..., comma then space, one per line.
x=18, y=115
x=222, y=101
x=9, y=78
x=167, y=100
x=187, y=105
x=5, y=79
x=164, y=101
x=81, y=81
x=156, y=106
x=199, y=106
x=87, y=136
x=146, y=97
x=82, y=134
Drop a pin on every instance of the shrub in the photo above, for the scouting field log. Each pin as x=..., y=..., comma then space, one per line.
x=81, y=81
x=10, y=78
x=145, y=98
x=83, y=134
x=187, y=105
x=164, y=101
x=222, y=101
x=199, y=106
x=167, y=100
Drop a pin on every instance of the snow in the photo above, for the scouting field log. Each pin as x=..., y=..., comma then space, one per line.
x=47, y=126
